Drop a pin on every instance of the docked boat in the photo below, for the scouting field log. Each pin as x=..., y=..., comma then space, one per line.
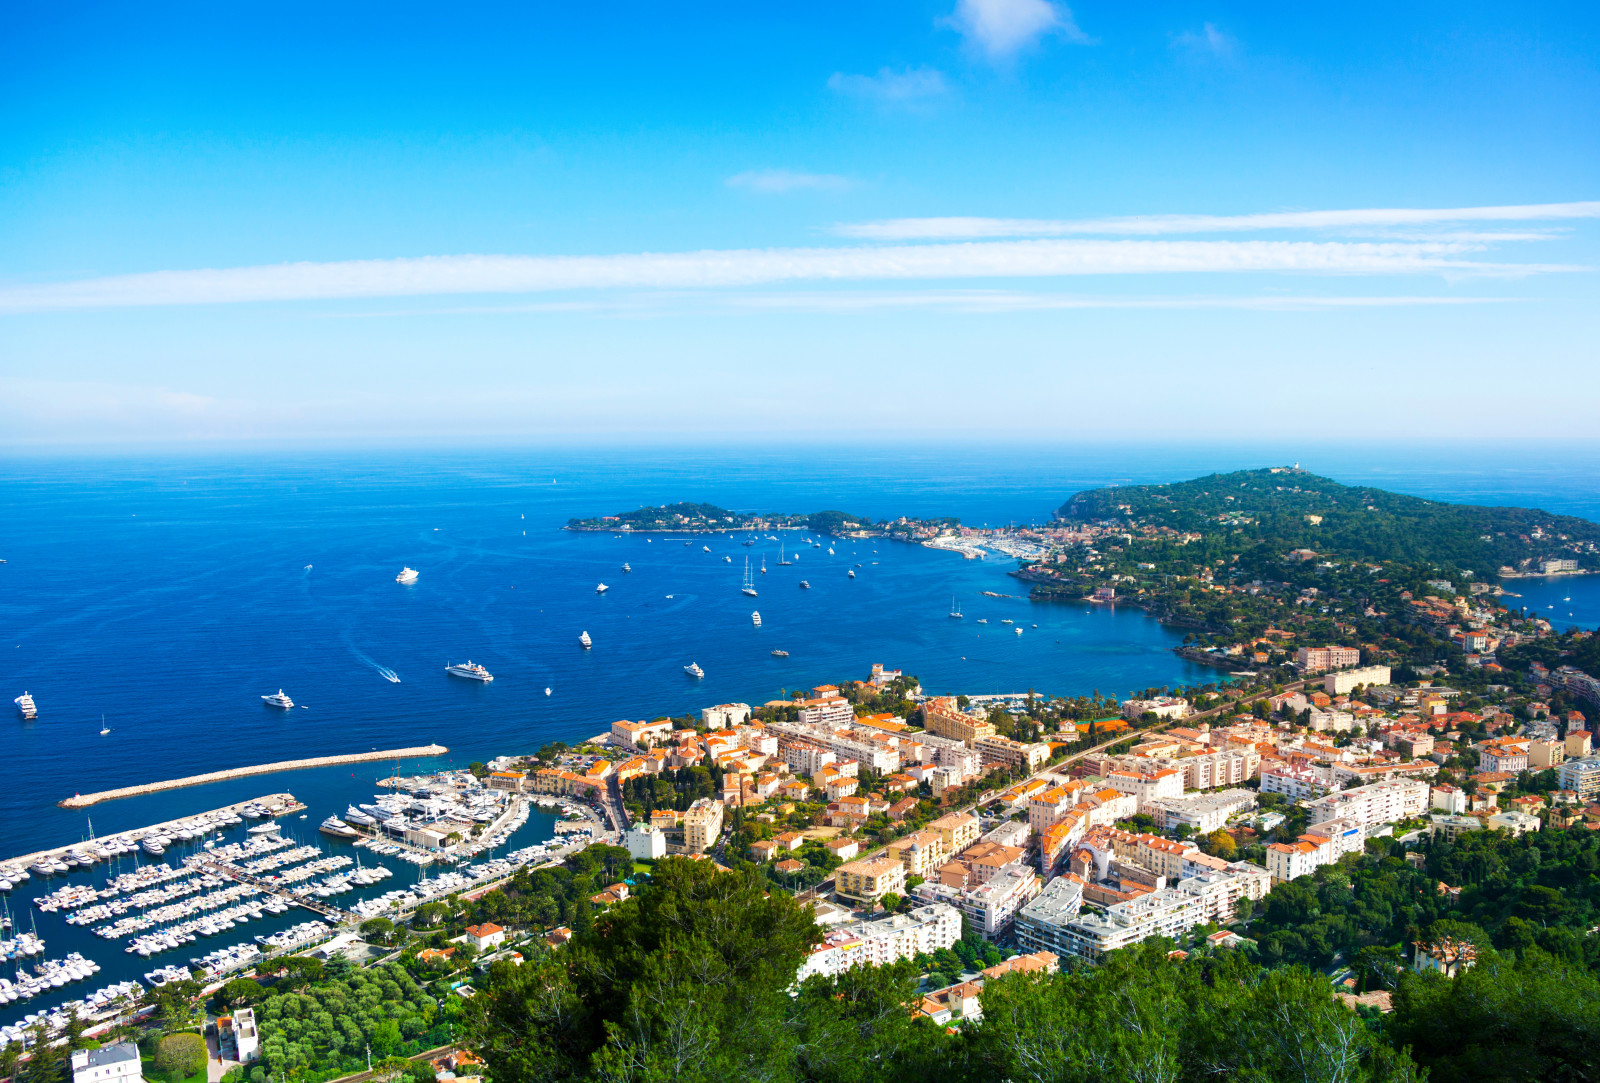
x=262, y=829
x=755, y=618
x=338, y=828
x=407, y=575
x=359, y=818
x=585, y=640
x=152, y=847
x=693, y=669
x=749, y=587
x=470, y=670
x=780, y=654
x=601, y=589
x=26, y=706
x=278, y=699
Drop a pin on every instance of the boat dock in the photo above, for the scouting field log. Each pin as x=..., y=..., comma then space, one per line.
x=84, y=800
x=310, y=902
x=277, y=804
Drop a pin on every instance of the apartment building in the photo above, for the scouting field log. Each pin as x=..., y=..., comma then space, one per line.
x=1346, y=681
x=869, y=880
x=725, y=715
x=1321, y=845
x=1369, y=806
x=958, y=829
x=1510, y=758
x=1582, y=777
x=878, y=942
x=1012, y=754
x=1161, y=707
x=1040, y=924
x=1203, y=812
x=1296, y=782
x=1543, y=755
x=1050, y=805
x=830, y=712
x=1169, y=911
x=702, y=825
x=1319, y=659
x=1146, y=785
x=641, y=735
x=921, y=852
x=942, y=719
x=990, y=907
x=805, y=757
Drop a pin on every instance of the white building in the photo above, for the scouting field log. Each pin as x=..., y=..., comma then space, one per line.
x=923, y=930
x=1582, y=777
x=1041, y=923
x=990, y=907
x=1147, y=785
x=246, y=1035
x=1449, y=799
x=645, y=843
x=1169, y=912
x=832, y=712
x=725, y=715
x=1346, y=680
x=1161, y=707
x=110, y=1064
x=1296, y=783
x=1203, y=812
x=1380, y=803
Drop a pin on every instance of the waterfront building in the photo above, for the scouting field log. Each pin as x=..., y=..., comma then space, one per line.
x=641, y=735
x=725, y=715
x=942, y=718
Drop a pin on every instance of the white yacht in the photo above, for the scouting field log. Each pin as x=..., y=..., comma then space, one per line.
x=749, y=586
x=278, y=699
x=693, y=669
x=152, y=847
x=359, y=818
x=805, y=584
x=601, y=589
x=585, y=640
x=851, y=573
x=338, y=829
x=407, y=575
x=955, y=609
x=25, y=704
x=627, y=567
x=469, y=669
x=1017, y=630
x=755, y=619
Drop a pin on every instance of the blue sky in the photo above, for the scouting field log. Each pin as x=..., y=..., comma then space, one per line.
x=969, y=218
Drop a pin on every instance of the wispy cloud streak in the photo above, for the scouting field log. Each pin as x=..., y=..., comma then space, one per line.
x=471, y=274
x=949, y=229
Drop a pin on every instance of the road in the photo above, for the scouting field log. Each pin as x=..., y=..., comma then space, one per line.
x=825, y=888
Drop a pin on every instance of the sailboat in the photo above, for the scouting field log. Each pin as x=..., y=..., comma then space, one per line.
x=749, y=583
x=103, y=729
x=782, y=560
x=763, y=564
x=955, y=609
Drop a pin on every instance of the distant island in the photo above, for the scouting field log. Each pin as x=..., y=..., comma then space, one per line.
x=687, y=517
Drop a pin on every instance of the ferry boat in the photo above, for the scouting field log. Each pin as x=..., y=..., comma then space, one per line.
x=780, y=654
x=601, y=589
x=470, y=670
x=585, y=640
x=407, y=575
x=278, y=699
x=25, y=705
x=338, y=828
x=755, y=619
x=693, y=669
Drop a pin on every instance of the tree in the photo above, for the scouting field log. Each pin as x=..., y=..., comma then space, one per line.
x=390, y=1067
x=377, y=929
x=1220, y=844
x=891, y=902
x=181, y=1055
x=239, y=992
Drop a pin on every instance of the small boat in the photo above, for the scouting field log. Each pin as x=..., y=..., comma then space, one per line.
x=955, y=610
x=780, y=654
x=1007, y=620
x=1017, y=630
x=726, y=559
x=585, y=640
x=830, y=550
x=279, y=700
x=983, y=620
x=601, y=589
x=26, y=706
x=308, y=567
x=627, y=567
x=805, y=584
x=707, y=548
x=755, y=619
x=851, y=573
x=694, y=670
x=547, y=690
x=103, y=728
x=407, y=575
x=470, y=670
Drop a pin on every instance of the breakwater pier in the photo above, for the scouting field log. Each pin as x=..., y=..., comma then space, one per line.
x=84, y=800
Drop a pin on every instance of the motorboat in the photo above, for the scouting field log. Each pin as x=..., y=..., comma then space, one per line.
x=601, y=589
x=805, y=584
x=25, y=706
x=1017, y=630
x=693, y=669
x=851, y=573
x=359, y=818
x=627, y=567
x=780, y=654
x=278, y=699
x=152, y=847
x=755, y=619
x=584, y=639
x=983, y=620
x=338, y=828
x=470, y=670
x=407, y=575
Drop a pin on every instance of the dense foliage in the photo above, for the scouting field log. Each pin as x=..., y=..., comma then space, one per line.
x=1266, y=510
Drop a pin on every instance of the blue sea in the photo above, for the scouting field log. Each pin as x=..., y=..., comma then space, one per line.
x=168, y=594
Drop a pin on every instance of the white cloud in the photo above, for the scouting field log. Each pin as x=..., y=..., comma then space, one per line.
x=898, y=87
x=472, y=274
x=980, y=301
x=946, y=229
x=780, y=181
x=1000, y=28
x=1208, y=40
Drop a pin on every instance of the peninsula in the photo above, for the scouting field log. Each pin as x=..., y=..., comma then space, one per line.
x=687, y=517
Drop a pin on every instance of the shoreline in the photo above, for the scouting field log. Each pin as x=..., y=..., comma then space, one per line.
x=86, y=799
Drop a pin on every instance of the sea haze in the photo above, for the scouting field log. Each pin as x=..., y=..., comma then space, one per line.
x=169, y=595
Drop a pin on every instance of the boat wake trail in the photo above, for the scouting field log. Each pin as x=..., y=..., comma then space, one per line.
x=383, y=671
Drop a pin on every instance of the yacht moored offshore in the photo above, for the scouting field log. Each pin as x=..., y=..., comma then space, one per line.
x=470, y=670
x=407, y=575
x=25, y=705
x=693, y=669
x=278, y=699
x=585, y=640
